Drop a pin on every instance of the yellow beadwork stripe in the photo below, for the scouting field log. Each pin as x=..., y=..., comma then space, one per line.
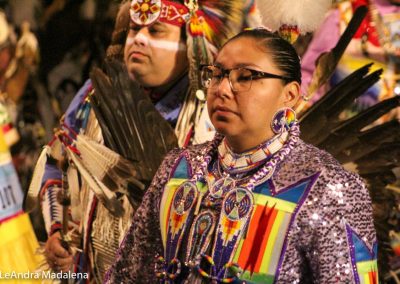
x=241, y=242
x=272, y=245
x=261, y=199
x=277, y=249
x=237, y=253
x=273, y=249
x=166, y=200
x=364, y=269
x=364, y=279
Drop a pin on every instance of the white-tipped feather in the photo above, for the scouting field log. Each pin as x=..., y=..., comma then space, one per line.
x=97, y=163
x=31, y=199
x=107, y=197
x=102, y=161
x=104, y=154
x=74, y=190
x=307, y=15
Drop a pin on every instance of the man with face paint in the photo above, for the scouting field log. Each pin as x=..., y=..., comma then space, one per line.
x=162, y=43
x=144, y=50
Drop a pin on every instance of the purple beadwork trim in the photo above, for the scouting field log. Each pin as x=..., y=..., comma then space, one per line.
x=350, y=232
x=184, y=155
x=274, y=193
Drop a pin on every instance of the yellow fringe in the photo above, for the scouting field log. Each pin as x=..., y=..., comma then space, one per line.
x=18, y=245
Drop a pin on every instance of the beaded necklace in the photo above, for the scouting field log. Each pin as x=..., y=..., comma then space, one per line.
x=265, y=172
x=233, y=163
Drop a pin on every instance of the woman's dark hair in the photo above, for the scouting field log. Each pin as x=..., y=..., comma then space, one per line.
x=283, y=53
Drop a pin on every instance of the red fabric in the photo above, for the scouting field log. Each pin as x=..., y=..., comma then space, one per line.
x=367, y=25
x=7, y=127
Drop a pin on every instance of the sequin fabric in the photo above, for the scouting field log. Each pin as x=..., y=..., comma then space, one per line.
x=316, y=250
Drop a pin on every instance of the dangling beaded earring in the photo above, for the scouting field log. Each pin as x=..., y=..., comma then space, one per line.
x=283, y=119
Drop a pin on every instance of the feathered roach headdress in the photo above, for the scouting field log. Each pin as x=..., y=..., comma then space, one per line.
x=291, y=18
x=208, y=24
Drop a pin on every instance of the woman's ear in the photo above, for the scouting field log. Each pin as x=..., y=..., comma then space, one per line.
x=292, y=94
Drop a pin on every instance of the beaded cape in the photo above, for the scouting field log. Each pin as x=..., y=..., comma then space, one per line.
x=310, y=222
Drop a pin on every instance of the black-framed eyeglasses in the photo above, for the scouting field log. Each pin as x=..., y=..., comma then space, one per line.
x=240, y=78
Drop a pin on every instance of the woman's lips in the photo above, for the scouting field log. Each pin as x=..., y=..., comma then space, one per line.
x=221, y=110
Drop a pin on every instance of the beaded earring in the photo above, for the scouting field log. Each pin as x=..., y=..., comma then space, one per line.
x=283, y=119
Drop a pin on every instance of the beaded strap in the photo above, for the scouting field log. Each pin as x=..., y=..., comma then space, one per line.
x=269, y=168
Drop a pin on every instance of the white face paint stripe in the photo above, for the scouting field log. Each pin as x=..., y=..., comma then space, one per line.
x=161, y=44
x=129, y=40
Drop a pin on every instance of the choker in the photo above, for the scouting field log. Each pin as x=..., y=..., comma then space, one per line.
x=233, y=163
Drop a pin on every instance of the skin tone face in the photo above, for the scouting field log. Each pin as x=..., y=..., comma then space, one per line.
x=244, y=117
x=155, y=55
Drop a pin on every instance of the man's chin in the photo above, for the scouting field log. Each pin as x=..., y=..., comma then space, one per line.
x=138, y=76
x=142, y=80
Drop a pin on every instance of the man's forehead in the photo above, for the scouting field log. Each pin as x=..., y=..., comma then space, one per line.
x=157, y=24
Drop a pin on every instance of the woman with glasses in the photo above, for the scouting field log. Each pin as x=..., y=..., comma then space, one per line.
x=256, y=204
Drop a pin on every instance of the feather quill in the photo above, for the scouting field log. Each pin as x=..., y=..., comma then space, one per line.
x=31, y=197
x=74, y=189
x=346, y=132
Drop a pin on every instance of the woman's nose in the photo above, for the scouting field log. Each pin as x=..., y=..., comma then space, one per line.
x=224, y=88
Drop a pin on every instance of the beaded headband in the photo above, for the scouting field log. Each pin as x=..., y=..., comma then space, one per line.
x=146, y=12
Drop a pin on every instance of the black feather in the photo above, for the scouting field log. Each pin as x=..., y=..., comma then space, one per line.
x=138, y=132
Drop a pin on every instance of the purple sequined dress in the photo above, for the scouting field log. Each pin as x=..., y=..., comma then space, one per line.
x=311, y=222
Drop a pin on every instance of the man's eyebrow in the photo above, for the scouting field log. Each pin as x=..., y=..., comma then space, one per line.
x=159, y=24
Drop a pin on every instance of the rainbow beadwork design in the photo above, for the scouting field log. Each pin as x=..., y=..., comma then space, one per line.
x=364, y=260
x=283, y=120
x=261, y=253
x=251, y=231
